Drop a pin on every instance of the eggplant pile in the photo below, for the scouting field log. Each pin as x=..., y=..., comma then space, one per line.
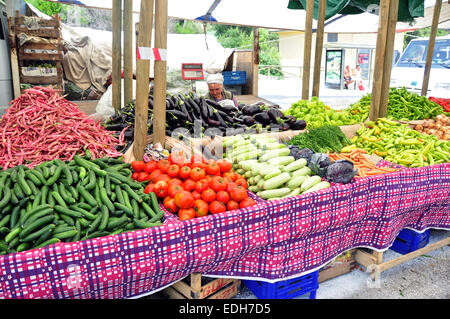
x=184, y=112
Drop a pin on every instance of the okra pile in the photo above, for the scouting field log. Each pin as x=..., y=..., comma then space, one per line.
x=71, y=201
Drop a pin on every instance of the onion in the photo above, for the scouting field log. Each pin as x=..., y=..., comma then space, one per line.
x=419, y=127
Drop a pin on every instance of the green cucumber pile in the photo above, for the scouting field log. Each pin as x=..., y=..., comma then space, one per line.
x=71, y=201
x=270, y=170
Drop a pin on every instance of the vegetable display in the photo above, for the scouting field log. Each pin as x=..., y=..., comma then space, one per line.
x=439, y=127
x=71, y=201
x=40, y=125
x=445, y=103
x=193, y=187
x=185, y=111
x=316, y=113
x=406, y=105
x=270, y=169
x=321, y=139
x=397, y=143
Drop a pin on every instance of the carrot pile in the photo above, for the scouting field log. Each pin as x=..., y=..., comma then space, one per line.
x=40, y=125
x=365, y=167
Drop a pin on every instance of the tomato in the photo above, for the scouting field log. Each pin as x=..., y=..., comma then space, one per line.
x=197, y=173
x=201, y=185
x=163, y=165
x=173, y=170
x=223, y=196
x=208, y=195
x=230, y=186
x=218, y=184
x=178, y=157
x=213, y=168
x=217, y=207
x=184, y=199
x=196, y=195
x=174, y=189
x=238, y=193
x=175, y=181
x=153, y=175
x=189, y=185
x=186, y=213
x=149, y=188
x=169, y=204
x=160, y=189
x=162, y=177
x=150, y=167
x=232, y=205
x=201, y=208
x=134, y=175
x=227, y=180
x=224, y=165
x=199, y=165
x=143, y=176
x=138, y=166
x=185, y=172
x=242, y=182
x=247, y=202
x=231, y=175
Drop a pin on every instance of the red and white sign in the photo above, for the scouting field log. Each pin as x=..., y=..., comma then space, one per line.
x=145, y=53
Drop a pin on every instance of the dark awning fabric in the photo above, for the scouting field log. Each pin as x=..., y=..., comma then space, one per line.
x=407, y=10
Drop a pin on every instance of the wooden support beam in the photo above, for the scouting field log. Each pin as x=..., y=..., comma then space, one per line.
x=307, y=49
x=142, y=80
x=160, y=74
x=116, y=54
x=387, y=63
x=15, y=72
x=255, y=68
x=127, y=51
x=319, y=47
x=430, y=48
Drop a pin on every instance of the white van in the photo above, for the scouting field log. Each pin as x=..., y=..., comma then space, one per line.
x=409, y=69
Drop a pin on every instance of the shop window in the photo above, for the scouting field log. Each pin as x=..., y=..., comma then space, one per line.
x=332, y=37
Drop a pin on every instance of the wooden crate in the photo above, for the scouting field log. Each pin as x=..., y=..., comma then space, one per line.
x=341, y=265
x=46, y=37
x=197, y=287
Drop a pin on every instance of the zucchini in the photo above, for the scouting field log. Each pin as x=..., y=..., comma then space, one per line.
x=296, y=165
x=273, y=146
x=295, y=192
x=296, y=181
x=272, y=193
x=274, y=154
x=310, y=182
x=274, y=172
x=282, y=160
x=247, y=165
x=276, y=181
x=302, y=172
x=318, y=186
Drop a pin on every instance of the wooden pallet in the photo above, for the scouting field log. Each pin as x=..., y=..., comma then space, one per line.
x=197, y=287
x=49, y=38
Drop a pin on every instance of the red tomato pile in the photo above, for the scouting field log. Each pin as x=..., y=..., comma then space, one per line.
x=193, y=188
x=445, y=103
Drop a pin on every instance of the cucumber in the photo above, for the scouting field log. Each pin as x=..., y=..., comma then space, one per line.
x=276, y=181
x=272, y=193
x=296, y=165
x=296, y=181
x=318, y=186
x=310, y=182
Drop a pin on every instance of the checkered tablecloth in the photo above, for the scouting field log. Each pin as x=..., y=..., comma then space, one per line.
x=272, y=240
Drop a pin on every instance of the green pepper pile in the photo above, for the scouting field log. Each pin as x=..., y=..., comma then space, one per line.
x=70, y=201
x=398, y=143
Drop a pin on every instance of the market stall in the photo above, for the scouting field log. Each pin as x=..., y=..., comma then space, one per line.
x=80, y=219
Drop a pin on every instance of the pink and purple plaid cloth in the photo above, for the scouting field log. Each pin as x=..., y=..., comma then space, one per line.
x=271, y=241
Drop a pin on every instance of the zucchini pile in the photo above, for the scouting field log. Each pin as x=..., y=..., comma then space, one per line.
x=269, y=168
x=71, y=201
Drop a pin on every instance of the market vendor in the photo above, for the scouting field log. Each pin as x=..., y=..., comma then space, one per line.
x=216, y=90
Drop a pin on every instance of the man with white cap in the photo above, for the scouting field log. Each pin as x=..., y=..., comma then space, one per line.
x=216, y=90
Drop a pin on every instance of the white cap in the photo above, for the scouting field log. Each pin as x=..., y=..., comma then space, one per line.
x=215, y=78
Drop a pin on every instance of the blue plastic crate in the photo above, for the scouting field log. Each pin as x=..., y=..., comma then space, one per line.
x=408, y=241
x=286, y=289
x=234, y=77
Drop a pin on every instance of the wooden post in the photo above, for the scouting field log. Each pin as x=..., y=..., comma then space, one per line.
x=319, y=47
x=160, y=73
x=127, y=51
x=307, y=49
x=15, y=72
x=379, y=59
x=255, y=70
x=116, y=53
x=390, y=39
x=430, y=48
x=142, y=80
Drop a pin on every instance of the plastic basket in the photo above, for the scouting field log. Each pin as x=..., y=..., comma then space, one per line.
x=286, y=289
x=408, y=241
x=234, y=77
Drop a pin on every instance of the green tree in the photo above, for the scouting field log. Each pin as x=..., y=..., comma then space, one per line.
x=422, y=33
x=47, y=7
